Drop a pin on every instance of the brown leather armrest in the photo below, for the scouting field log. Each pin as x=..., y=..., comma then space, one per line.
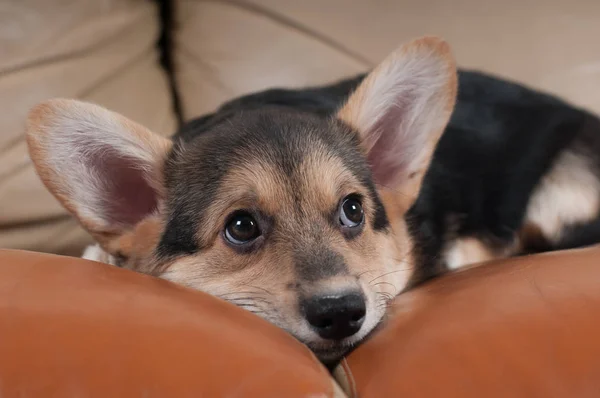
x=76, y=328
x=526, y=327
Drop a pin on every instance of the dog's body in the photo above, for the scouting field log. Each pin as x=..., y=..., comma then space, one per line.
x=312, y=208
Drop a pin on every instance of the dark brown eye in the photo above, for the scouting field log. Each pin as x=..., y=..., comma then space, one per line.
x=351, y=213
x=241, y=228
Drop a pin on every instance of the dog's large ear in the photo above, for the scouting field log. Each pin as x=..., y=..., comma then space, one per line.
x=104, y=168
x=401, y=109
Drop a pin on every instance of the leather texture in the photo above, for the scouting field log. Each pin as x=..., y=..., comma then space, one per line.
x=523, y=327
x=77, y=328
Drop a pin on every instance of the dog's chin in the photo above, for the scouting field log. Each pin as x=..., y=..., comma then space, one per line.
x=330, y=354
x=331, y=357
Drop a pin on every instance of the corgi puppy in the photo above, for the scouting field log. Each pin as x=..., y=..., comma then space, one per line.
x=313, y=208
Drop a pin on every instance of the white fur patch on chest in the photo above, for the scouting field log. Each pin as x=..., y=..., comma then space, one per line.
x=569, y=194
x=95, y=253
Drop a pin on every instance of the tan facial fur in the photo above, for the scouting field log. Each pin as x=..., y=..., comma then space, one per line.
x=268, y=282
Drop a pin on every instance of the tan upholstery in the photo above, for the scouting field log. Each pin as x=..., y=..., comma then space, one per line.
x=101, y=51
x=104, y=51
x=228, y=48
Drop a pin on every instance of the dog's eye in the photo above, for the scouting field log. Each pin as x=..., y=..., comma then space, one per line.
x=241, y=228
x=351, y=212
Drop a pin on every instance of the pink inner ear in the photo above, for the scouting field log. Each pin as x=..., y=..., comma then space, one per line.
x=126, y=196
x=388, y=155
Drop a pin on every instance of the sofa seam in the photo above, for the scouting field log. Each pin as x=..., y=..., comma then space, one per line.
x=297, y=26
x=350, y=377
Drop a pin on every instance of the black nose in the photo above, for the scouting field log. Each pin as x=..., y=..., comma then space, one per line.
x=335, y=317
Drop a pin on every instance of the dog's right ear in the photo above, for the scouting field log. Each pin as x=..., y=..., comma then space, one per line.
x=104, y=168
x=401, y=109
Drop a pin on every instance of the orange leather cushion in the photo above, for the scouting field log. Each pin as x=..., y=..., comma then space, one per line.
x=521, y=327
x=76, y=328
x=525, y=327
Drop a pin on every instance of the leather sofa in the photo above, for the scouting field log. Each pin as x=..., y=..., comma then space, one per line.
x=69, y=327
x=525, y=327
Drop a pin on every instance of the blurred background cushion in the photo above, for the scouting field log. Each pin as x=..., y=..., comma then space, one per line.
x=105, y=52
x=230, y=47
x=99, y=51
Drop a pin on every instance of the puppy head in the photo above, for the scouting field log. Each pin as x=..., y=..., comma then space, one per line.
x=294, y=217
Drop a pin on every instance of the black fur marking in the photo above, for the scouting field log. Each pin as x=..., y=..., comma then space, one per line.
x=380, y=221
x=320, y=101
x=179, y=236
x=318, y=263
x=579, y=236
x=120, y=259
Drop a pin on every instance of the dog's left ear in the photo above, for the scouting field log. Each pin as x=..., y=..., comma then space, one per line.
x=401, y=109
x=104, y=168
